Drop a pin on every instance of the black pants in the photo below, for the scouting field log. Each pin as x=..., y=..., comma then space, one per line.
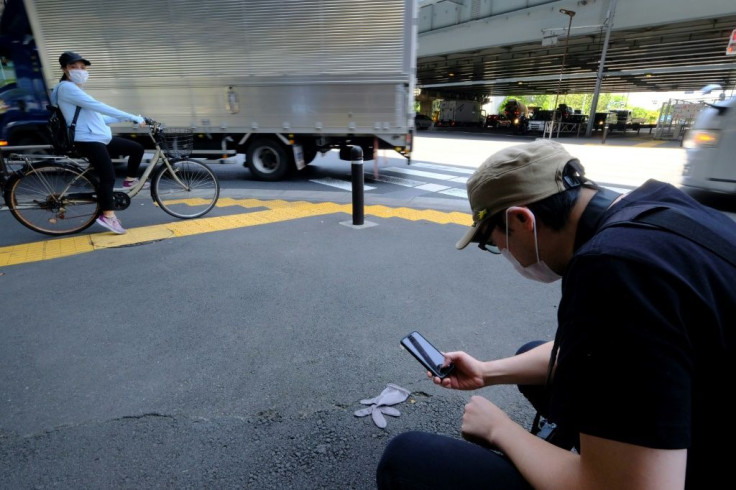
x=99, y=158
x=419, y=460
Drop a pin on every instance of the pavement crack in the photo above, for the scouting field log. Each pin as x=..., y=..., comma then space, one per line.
x=144, y=415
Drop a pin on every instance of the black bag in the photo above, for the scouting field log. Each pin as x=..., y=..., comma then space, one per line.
x=62, y=136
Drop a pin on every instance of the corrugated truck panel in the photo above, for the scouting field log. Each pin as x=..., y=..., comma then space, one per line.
x=306, y=65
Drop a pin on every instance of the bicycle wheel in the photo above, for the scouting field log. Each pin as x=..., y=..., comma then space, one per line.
x=53, y=199
x=189, y=192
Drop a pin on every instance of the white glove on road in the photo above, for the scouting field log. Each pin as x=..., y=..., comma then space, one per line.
x=379, y=406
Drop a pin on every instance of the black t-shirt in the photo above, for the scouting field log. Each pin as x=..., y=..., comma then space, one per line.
x=646, y=338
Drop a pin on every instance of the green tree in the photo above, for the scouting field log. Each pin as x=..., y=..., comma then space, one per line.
x=581, y=102
x=644, y=114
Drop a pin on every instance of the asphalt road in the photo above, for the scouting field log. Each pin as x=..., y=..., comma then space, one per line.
x=235, y=358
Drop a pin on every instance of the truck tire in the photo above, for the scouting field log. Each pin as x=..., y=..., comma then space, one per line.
x=268, y=159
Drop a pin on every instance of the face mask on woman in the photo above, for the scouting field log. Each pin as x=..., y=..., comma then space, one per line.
x=78, y=76
x=536, y=272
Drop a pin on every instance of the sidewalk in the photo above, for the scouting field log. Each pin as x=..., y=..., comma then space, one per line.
x=236, y=359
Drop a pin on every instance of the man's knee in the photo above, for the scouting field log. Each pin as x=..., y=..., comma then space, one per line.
x=397, y=458
x=399, y=447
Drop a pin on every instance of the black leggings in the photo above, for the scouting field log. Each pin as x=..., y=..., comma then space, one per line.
x=98, y=155
x=419, y=460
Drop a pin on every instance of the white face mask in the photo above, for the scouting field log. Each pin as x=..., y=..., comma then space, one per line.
x=536, y=272
x=78, y=76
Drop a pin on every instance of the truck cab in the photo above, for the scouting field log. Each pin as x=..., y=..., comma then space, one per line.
x=539, y=119
x=23, y=94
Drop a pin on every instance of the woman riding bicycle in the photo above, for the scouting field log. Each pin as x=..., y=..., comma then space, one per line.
x=93, y=138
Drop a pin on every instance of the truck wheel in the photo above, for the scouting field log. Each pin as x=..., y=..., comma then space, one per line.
x=268, y=159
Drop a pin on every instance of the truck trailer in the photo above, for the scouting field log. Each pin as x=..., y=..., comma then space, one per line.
x=461, y=113
x=278, y=82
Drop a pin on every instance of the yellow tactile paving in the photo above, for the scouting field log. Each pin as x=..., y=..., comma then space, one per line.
x=269, y=212
x=135, y=235
x=645, y=144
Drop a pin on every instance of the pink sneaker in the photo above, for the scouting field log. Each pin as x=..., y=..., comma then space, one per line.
x=112, y=224
x=127, y=184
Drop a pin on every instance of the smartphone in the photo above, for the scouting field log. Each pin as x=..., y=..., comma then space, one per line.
x=426, y=354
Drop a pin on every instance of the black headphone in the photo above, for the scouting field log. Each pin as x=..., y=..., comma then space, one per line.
x=573, y=174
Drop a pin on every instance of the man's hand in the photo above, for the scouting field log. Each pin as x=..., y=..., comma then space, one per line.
x=480, y=419
x=467, y=375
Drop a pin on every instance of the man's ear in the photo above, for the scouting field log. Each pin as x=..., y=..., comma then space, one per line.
x=522, y=216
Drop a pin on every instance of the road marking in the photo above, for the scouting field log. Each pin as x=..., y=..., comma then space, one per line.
x=382, y=176
x=340, y=184
x=275, y=211
x=460, y=170
x=400, y=181
x=455, y=192
x=643, y=144
x=621, y=190
x=421, y=173
x=388, y=179
x=433, y=187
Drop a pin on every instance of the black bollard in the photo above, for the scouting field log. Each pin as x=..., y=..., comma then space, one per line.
x=356, y=167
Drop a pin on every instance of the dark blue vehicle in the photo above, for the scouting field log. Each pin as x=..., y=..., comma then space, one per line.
x=23, y=91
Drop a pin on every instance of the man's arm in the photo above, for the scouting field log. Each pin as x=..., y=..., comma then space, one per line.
x=529, y=368
x=602, y=463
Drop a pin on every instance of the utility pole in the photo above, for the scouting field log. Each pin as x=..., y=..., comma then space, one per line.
x=599, y=79
x=570, y=14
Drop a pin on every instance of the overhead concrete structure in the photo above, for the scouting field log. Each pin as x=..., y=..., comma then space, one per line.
x=480, y=48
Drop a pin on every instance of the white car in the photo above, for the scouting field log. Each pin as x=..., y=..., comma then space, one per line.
x=423, y=122
x=711, y=145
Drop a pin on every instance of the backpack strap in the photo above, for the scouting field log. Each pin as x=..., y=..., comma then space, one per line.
x=678, y=222
x=73, y=125
x=592, y=215
x=683, y=225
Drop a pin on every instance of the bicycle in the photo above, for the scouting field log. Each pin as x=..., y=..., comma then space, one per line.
x=57, y=195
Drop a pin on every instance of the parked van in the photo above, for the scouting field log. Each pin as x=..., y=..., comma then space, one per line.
x=711, y=148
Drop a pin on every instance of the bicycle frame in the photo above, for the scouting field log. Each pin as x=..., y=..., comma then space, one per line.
x=26, y=159
x=66, y=187
x=82, y=165
x=158, y=156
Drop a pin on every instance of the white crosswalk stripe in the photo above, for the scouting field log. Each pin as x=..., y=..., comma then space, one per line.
x=454, y=192
x=387, y=175
x=622, y=190
x=432, y=187
x=459, y=170
x=422, y=173
x=443, y=173
x=388, y=179
x=340, y=184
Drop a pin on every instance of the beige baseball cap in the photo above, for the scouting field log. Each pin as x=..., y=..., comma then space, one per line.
x=515, y=176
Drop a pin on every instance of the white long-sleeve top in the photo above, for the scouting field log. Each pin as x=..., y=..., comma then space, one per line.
x=93, y=120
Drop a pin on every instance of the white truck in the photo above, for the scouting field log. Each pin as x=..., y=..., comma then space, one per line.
x=278, y=82
x=461, y=113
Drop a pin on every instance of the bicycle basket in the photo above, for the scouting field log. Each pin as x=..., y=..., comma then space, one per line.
x=176, y=142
